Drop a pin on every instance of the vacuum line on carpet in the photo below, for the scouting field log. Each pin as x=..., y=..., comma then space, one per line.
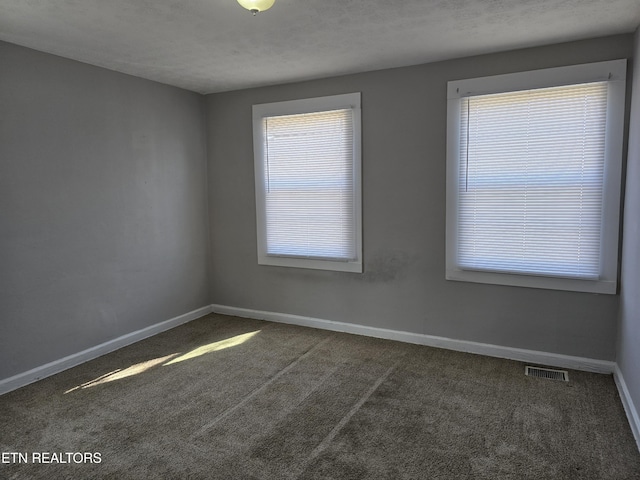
x=340, y=425
x=251, y=395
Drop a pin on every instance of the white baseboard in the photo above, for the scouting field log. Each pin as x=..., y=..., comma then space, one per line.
x=57, y=366
x=627, y=403
x=519, y=354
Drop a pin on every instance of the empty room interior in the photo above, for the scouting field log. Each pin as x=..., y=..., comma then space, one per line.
x=327, y=240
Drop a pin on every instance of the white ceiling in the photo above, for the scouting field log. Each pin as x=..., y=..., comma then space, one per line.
x=215, y=45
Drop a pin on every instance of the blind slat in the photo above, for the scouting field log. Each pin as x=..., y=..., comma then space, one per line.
x=309, y=185
x=531, y=180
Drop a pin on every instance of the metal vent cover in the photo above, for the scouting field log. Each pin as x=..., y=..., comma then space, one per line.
x=547, y=373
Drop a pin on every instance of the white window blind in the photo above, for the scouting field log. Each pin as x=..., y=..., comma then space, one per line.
x=531, y=176
x=309, y=185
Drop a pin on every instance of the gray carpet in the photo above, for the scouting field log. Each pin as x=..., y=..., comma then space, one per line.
x=213, y=399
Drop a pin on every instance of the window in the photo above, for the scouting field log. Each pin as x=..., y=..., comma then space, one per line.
x=533, y=177
x=308, y=185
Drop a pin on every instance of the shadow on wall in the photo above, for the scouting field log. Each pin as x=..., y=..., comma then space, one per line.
x=386, y=266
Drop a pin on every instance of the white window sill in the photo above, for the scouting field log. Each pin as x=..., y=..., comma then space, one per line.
x=533, y=281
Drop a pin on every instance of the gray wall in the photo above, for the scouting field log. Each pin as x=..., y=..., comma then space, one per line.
x=104, y=227
x=103, y=209
x=404, y=286
x=629, y=331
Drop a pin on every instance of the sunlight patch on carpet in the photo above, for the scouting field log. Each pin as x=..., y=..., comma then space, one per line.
x=120, y=374
x=213, y=347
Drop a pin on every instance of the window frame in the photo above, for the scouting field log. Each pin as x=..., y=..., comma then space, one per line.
x=614, y=72
x=301, y=106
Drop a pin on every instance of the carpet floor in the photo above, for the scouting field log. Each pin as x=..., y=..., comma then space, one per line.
x=230, y=398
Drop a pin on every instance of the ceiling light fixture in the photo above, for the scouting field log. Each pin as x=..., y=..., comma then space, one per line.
x=255, y=6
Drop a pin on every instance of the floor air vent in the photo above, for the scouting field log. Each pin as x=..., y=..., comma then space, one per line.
x=547, y=373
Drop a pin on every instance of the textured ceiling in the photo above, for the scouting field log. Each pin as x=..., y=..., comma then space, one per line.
x=215, y=45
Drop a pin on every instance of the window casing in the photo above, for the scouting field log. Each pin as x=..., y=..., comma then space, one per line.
x=308, y=183
x=533, y=177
